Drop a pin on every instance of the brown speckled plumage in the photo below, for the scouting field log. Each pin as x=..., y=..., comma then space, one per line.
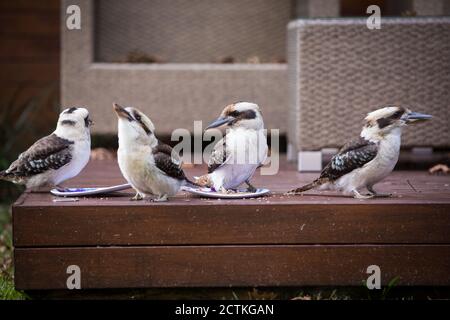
x=351, y=156
x=218, y=155
x=51, y=152
x=162, y=154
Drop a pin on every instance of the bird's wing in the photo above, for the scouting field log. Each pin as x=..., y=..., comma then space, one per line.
x=266, y=151
x=218, y=156
x=164, y=161
x=353, y=155
x=50, y=152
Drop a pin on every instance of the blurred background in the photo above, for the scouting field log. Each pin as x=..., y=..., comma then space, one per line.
x=242, y=54
x=246, y=32
x=29, y=81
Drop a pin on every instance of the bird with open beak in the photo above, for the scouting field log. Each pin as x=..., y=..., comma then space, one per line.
x=57, y=157
x=146, y=163
x=240, y=152
x=365, y=161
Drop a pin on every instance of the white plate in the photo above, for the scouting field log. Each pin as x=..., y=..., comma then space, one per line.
x=79, y=192
x=241, y=194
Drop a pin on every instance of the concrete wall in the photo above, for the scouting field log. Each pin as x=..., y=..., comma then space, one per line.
x=173, y=95
x=192, y=31
x=317, y=8
x=432, y=7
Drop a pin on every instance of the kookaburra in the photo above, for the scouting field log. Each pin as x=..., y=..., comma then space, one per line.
x=145, y=162
x=240, y=152
x=365, y=161
x=57, y=157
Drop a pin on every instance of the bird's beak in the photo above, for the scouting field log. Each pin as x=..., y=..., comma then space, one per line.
x=416, y=116
x=91, y=123
x=121, y=112
x=219, y=121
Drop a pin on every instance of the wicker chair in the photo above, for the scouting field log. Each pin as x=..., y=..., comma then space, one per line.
x=339, y=70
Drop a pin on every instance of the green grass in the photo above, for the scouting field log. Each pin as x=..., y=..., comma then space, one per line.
x=7, y=291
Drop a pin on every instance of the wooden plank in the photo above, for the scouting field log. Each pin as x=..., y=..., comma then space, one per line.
x=229, y=224
x=207, y=266
x=34, y=74
x=20, y=5
x=29, y=46
x=30, y=49
x=407, y=187
x=20, y=94
x=420, y=216
x=357, y=8
x=29, y=23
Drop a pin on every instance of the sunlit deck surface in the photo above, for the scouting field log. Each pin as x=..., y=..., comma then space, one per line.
x=320, y=238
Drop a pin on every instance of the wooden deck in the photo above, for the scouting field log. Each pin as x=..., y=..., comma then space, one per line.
x=320, y=238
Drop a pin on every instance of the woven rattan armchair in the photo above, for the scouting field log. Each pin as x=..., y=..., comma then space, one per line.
x=339, y=70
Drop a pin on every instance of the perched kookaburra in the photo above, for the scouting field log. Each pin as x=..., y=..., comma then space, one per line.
x=365, y=161
x=240, y=152
x=57, y=157
x=146, y=163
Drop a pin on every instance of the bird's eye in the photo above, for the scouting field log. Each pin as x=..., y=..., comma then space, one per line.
x=234, y=114
x=397, y=114
x=137, y=116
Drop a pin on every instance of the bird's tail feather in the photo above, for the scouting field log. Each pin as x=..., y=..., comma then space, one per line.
x=316, y=183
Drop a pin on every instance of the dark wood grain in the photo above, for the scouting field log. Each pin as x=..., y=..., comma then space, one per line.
x=320, y=238
x=421, y=216
x=407, y=187
x=26, y=48
x=30, y=61
x=205, y=266
x=230, y=224
x=23, y=72
x=29, y=22
x=21, y=5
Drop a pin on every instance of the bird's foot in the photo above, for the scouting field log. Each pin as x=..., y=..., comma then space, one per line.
x=222, y=190
x=162, y=198
x=358, y=195
x=137, y=197
x=250, y=188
